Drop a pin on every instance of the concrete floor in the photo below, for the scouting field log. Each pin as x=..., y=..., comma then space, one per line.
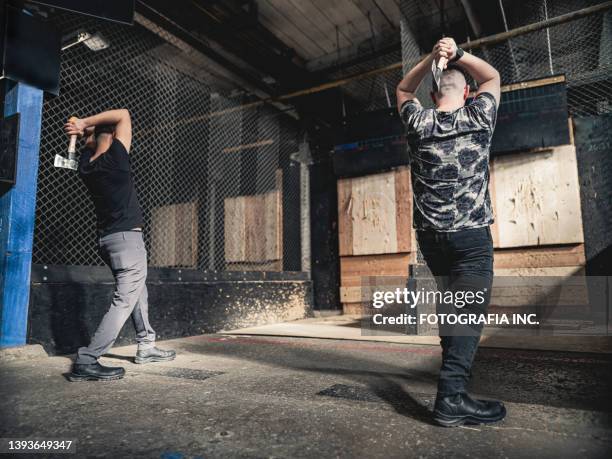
x=254, y=396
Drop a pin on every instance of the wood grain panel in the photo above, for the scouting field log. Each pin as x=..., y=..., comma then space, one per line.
x=353, y=309
x=253, y=228
x=540, y=257
x=403, y=202
x=174, y=235
x=375, y=214
x=395, y=264
x=345, y=222
x=235, y=229
x=537, y=198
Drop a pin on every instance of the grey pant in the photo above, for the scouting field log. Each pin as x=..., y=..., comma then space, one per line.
x=126, y=255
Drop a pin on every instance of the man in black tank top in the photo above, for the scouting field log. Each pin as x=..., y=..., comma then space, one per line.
x=104, y=167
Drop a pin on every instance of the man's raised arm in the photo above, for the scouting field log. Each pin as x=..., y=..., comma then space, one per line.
x=484, y=74
x=406, y=88
x=119, y=118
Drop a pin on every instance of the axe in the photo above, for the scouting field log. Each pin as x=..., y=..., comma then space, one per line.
x=70, y=162
x=436, y=72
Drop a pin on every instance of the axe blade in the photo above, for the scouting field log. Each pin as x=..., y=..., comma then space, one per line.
x=436, y=73
x=65, y=163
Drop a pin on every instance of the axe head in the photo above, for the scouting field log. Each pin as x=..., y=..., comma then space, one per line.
x=65, y=163
x=436, y=73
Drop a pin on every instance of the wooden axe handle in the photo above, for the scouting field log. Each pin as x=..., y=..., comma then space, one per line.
x=73, y=138
x=442, y=63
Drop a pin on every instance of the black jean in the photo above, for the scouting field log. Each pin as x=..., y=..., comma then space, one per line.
x=461, y=261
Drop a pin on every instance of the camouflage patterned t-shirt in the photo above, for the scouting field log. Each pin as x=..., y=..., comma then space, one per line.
x=449, y=162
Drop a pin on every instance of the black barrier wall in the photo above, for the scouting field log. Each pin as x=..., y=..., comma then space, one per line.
x=67, y=303
x=593, y=148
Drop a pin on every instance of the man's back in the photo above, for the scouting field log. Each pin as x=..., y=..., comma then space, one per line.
x=450, y=163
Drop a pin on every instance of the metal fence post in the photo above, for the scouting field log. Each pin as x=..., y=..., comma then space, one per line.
x=17, y=207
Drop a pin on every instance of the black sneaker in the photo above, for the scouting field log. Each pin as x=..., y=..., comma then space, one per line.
x=154, y=355
x=95, y=372
x=459, y=409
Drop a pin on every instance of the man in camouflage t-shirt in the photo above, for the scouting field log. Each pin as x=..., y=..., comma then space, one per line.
x=449, y=161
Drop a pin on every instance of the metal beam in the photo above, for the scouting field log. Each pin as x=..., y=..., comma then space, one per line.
x=17, y=214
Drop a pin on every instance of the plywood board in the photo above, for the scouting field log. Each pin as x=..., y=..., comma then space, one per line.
x=365, y=292
x=186, y=241
x=537, y=198
x=354, y=268
x=235, y=229
x=540, y=257
x=357, y=272
x=353, y=309
x=253, y=228
x=174, y=235
x=345, y=222
x=556, y=271
x=375, y=214
x=403, y=202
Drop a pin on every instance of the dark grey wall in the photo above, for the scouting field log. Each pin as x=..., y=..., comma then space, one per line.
x=593, y=140
x=325, y=266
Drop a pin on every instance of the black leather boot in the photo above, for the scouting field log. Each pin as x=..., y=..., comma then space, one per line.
x=95, y=372
x=154, y=355
x=459, y=409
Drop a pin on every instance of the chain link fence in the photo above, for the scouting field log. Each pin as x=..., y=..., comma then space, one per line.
x=580, y=49
x=370, y=93
x=218, y=186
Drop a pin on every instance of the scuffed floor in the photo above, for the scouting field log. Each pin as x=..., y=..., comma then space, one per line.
x=247, y=396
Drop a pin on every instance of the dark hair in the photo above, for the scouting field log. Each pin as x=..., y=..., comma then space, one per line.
x=104, y=129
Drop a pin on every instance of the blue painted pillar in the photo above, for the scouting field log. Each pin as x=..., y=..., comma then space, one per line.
x=17, y=208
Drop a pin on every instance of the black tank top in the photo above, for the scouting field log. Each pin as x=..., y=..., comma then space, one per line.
x=110, y=184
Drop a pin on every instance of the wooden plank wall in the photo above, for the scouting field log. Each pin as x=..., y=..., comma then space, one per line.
x=375, y=231
x=353, y=270
x=537, y=233
x=174, y=236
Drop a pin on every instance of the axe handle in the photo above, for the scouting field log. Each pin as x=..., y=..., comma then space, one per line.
x=73, y=138
x=72, y=145
x=441, y=63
